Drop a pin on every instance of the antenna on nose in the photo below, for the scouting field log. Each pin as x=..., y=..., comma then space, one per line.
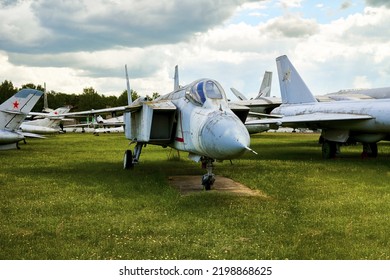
x=249, y=149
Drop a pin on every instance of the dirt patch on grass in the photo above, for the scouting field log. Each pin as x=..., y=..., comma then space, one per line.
x=192, y=184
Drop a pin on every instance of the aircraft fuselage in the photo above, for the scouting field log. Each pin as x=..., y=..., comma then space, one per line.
x=9, y=137
x=206, y=126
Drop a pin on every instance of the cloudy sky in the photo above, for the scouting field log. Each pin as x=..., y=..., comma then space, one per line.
x=74, y=44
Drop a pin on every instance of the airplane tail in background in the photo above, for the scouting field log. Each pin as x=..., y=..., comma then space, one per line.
x=176, y=85
x=238, y=94
x=52, y=119
x=45, y=103
x=293, y=89
x=265, y=88
x=14, y=110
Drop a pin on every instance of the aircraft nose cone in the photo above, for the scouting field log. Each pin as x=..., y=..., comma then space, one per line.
x=225, y=137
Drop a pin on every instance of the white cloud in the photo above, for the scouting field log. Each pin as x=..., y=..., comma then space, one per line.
x=329, y=56
x=290, y=3
x=361, y=82
x=292, y=26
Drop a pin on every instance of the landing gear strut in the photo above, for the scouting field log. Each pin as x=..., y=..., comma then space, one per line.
x=370, y=150
x=130, y=159
x=208, y=179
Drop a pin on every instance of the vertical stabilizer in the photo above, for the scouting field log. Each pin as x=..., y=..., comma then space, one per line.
x=292, y=88
x=127, y=115
x=45, y=103
x=176, y=85
x=14, y=110
x=265, y=88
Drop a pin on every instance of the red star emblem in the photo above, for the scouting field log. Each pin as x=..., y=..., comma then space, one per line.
x=16, y=104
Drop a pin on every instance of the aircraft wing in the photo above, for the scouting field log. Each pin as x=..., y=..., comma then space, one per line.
x=310, y=119
x=261, y=115
x=92, y=111
x=129, y=108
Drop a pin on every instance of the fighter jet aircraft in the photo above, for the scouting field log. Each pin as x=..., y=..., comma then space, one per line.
x=12, y=112
x=341, y=122
x=49, y=124
x=195, y=118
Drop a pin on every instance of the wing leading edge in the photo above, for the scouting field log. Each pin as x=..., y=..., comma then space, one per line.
x=311, y=119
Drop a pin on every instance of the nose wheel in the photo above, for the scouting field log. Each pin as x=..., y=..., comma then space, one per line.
x=130, y=159
x=208, y=179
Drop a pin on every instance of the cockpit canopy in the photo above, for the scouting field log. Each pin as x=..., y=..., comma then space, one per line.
x=202, y=90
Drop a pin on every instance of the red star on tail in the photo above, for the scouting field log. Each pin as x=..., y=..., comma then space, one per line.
x=16, y=104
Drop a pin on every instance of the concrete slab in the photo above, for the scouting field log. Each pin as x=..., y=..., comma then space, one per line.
x=192, y=184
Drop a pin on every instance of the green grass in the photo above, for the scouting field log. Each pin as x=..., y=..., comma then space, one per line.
x=67, y=197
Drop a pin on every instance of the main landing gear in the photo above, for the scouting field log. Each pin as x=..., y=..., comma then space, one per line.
x=130, y=159
x=330, y=149
x=208, y=179
x=370, y=150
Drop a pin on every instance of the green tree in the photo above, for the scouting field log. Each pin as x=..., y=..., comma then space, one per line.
x=122, y=99
x=7, y=89
x=90, y=99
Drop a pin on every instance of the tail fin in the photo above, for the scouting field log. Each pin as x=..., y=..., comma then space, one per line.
x=238, y=94
x=176, y=85
x=14, y=110
x=265, y=88
x=54, y=118
x=127, y=115
x=45, y=103
x=293, y=89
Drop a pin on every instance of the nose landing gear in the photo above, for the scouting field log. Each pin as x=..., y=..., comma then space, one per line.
x=208, y=179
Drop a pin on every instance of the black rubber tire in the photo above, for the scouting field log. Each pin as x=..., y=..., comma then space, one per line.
x=128, y=160
x=329, y=149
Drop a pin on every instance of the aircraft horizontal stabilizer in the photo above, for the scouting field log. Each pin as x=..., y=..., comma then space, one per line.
x=238, y=94
x=32, y=135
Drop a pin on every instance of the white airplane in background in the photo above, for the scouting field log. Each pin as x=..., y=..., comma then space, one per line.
x=98, y=123
x=341, y=122
x=12, y=113
x=376, y=93
x=114, y=124
x=49, y=124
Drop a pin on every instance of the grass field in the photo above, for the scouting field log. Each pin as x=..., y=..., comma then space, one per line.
x=67, y=197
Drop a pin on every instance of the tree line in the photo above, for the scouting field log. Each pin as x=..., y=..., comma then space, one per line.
x=87, y=100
